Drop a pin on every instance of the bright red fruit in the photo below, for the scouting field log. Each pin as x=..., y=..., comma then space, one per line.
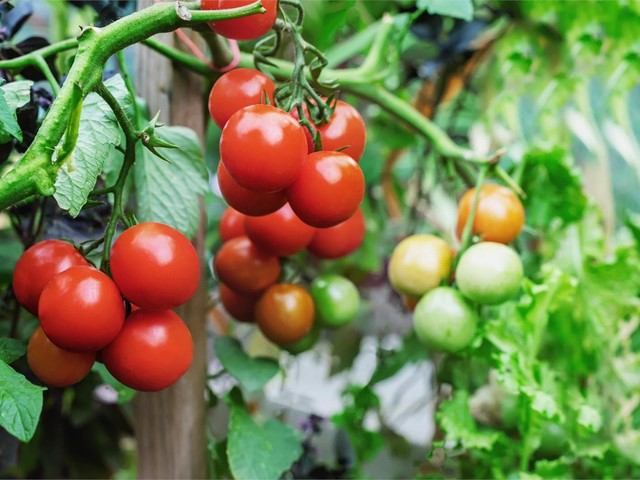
x=263, y=148
x=155, y=266
x=247, y=201
x=328, y=189
x=232, y=224
x=153, y=350
x=240, y=306
x=244, y=267
x=244, y=28
x=237, y=89
x=340, y=240
x=281, y=233
x=39, y=264
x=81, y=309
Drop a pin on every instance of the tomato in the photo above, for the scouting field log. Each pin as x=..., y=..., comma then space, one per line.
x=232, y=224
x=81, y=309
x=328, y=190
x=244, y=28
x=39, y=264
x=489, y=273
x=305, y=343
x=237, y=89
x=153, y=350
x=240, y=306
x=553, y=440
x=155, y=266
x=443, y=320
x=418, y=264
x=244, y=267
x=281, y=233
x=247, y=201
x=340, y=240
x=336, y=299
x=263, y=148
x=285, y=313
x=509, y=412
x=53, y=365
x=499, y=214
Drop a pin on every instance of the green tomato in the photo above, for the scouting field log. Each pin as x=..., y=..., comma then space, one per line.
x=444, y=320
x=553, y=440
x=305, y=343
x=509, y=407
x=489, y=273
x=336, y=299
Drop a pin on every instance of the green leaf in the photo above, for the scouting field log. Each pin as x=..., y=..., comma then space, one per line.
x=450, y=8
x=323, y=19
x=259, y=451
x=98, y=135
x=125, y=394
x=251, y=373
x=11, y=349
x=590, y=418
x=169, y=192
x=20, y=403
x=17, y=94
x=8, y=121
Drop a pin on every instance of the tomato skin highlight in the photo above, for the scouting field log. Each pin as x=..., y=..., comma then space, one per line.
x=232, y=224
x=55, y=366
x=81, y=309
x=39, y=264
x=336, y=299
x=244, y=28
x=328, y=190
x=280, y=233
x=237, y=89
x=340, y=240
x=247, y=201
x=285, y=313
x=244, y=267
x=263, y=148
x=153, y=350
x=239, y=305
x=499, y=215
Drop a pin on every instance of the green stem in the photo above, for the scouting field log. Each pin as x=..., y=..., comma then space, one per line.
x=185, y=59
x=122, y=64
x=18, y=63
x=467, y=233
x=42, y=64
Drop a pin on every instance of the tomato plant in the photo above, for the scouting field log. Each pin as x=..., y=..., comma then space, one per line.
x=336, y=299
x=285, y=313
x=246, y=28
x=339, y=240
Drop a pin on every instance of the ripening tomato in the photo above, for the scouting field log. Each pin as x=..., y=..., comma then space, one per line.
x=237, y=89
x=155, y=266
x=328, y=189
x=244, y=267
x=281, y=233
x=153, y=350
x=418, y=264
x=263, y=148
x=232, y=224
x=53, y=365
x=81, y=309
x=499, y=215
x=239, y=305
x=305, y=343
x=39, y=264
x=244, y=28
x=340, y=240
x=285, y=313
x=247, y=201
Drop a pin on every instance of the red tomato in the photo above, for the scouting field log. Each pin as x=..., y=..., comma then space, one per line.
x=244, y=28
x=328, y=189
x=39, y=264
x=155, y=266
x=285, y=313
x=240, y=306
x=81, y=309
x=244, y=267
x=263, y=148
x=232, y=224
x=281, y=233
x=237, y=89
x=247, y=201
x=340, y=240
x=53, y=365
x=153, y=350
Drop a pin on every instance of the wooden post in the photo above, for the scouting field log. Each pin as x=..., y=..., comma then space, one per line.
x=170, y=425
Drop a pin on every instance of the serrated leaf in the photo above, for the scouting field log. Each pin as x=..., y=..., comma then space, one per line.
x=590, y=418
x=257, y=451
x=20, y=403
x=11, y=349
x=17, y=94
x=98, y=135
x=8, y=121
x=251, y=373
x=169, y=192
x=450, y=8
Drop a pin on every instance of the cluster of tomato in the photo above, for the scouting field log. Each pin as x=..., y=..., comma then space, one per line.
x=83, y=314
x=487, y=273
